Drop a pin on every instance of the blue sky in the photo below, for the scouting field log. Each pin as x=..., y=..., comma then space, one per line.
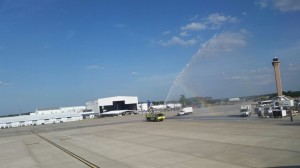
x=64, y=53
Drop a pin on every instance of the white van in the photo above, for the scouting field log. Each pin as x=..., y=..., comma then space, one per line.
x=186, y=111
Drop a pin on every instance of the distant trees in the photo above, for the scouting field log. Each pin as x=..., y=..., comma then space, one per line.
x=203, y=101
x=195, y=101
x=182, y=100
x=291, y=94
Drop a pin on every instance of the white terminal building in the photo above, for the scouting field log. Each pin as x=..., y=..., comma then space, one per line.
x=59, y=110
x=66, y=114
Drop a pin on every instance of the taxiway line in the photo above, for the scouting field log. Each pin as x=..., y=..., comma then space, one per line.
x=86, y=162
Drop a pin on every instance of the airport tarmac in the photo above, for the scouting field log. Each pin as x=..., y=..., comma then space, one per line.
x=211, y=137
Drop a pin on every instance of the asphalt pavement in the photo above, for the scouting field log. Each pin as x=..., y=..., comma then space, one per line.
x=211, y=137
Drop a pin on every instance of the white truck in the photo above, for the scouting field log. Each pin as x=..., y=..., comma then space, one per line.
x=185, y=111
x=245, y=110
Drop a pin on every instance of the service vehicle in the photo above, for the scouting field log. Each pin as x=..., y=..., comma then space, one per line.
x=282, y=106
x=185, y=111
x=278, y=107
x=155, y=116
x=245, y=110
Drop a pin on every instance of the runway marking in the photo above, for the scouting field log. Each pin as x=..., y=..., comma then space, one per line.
x=86, y=162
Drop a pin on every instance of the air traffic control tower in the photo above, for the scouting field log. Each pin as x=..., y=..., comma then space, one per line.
x=276, y=64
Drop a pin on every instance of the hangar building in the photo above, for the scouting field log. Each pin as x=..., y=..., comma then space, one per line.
x=113, y=104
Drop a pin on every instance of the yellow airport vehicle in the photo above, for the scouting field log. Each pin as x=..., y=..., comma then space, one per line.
x=153, y=116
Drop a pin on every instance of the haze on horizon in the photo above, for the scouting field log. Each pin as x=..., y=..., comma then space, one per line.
x=64, y=53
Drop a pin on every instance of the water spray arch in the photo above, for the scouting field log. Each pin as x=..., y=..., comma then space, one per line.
x=193, y=80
